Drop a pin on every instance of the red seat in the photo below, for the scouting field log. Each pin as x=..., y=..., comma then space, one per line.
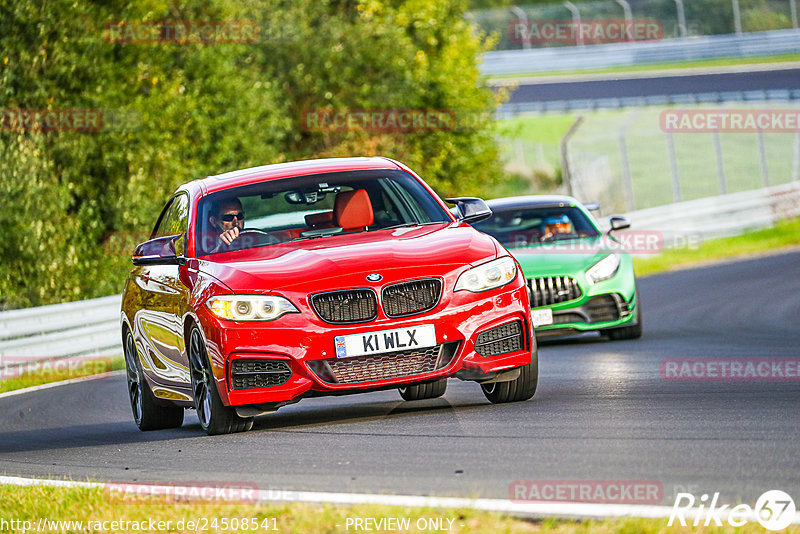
x=352, y=210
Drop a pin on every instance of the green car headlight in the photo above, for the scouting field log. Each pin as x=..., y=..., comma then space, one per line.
x=250, y=307
x=490, y=275
x=603, y=269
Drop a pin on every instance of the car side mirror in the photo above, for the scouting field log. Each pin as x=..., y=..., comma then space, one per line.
x=470, y=209
x=618, y=222
x=158, y=251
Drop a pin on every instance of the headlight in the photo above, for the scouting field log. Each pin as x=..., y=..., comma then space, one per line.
x=603, y=269
x=488, y=276
x=250, y=307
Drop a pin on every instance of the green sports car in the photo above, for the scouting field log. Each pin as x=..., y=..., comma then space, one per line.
x=579, y=278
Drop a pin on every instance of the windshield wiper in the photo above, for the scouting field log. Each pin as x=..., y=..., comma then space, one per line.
x=321, y=232
x=401, y=225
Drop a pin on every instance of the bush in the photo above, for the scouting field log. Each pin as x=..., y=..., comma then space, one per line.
x=192, y=110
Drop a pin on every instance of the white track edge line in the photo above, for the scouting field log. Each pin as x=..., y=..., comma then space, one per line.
x=536, y=509
x=60, y=383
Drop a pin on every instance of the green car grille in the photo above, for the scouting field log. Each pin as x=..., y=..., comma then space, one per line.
x=552, y=290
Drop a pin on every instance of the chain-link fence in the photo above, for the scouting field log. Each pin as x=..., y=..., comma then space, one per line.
x=650, y=157
x=520, y=27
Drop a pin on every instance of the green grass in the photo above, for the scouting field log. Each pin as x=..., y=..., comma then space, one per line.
x=51, y=371
x=92, y=505
x=785, y=234
x=531, y=146
x=719, y=62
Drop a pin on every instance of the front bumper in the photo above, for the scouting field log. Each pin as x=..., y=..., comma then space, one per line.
x=609, y=310
x=304, y=346
x=607, y=304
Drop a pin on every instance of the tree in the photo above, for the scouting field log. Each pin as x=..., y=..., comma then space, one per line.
x=176, y=112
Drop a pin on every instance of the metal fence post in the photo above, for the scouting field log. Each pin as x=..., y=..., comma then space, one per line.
x=566, y=170
x=723, y=184
x=737, y=17
x=626, y=8
x=673, y=167
x=519, y=12
x=576, y=19
x=681, y=18
x=793, y=9
x=627, y=182
x=762, y=152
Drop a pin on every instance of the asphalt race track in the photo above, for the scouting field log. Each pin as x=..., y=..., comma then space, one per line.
x=602, y=412
x=658, y=85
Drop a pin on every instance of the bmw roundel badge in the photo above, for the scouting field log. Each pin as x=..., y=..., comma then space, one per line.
x=375, y=277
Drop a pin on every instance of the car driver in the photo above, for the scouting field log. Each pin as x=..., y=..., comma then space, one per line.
x=227, y=218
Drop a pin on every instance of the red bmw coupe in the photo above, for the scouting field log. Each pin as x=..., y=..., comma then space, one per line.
x=263, y=286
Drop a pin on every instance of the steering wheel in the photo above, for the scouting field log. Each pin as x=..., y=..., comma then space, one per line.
x=248, y=238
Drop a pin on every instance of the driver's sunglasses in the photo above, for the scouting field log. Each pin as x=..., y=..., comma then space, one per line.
x=228, y=217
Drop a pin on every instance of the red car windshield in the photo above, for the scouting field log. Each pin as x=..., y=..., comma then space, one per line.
x=307, y=207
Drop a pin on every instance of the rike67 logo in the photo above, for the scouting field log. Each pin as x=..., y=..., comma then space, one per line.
x=774, y=510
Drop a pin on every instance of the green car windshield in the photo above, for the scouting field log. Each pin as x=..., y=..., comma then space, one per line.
x=520, y=227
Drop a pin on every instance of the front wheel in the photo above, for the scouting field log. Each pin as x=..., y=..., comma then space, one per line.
x=430, y=390
x=149, y=413
x=521, y=388
x=214, y=416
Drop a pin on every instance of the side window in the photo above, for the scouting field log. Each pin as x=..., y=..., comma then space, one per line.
x=177, y=222
x=161, y=225
x=178, y=216
x=174, y=221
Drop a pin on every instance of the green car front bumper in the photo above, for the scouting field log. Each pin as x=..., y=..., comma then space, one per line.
x=576, y=304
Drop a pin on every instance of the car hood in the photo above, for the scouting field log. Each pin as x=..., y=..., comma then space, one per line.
x=417, y=249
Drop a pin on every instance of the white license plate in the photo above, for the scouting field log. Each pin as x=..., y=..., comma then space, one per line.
x=413, y=337
x=542, y=317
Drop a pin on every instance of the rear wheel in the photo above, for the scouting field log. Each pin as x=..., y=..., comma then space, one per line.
x=214, y=416
x=521, y=388
x=149, y=413
x=430, y=390
x=633, y=331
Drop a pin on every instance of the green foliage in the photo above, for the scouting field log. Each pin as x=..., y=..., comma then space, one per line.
x=185, y=111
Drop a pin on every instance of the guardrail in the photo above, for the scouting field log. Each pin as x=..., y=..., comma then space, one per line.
x=83, y=328
x=507, y=62
x=720, y=216
x=513, y=109
x=91, y=327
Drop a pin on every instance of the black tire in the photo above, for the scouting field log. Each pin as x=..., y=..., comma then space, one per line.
x=149, y=413
x=214, y=416
x=521, y=388
x=633, y=331
x=431, y=390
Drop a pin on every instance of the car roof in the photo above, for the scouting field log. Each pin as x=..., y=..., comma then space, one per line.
x=532, y=201
x=276, y=171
